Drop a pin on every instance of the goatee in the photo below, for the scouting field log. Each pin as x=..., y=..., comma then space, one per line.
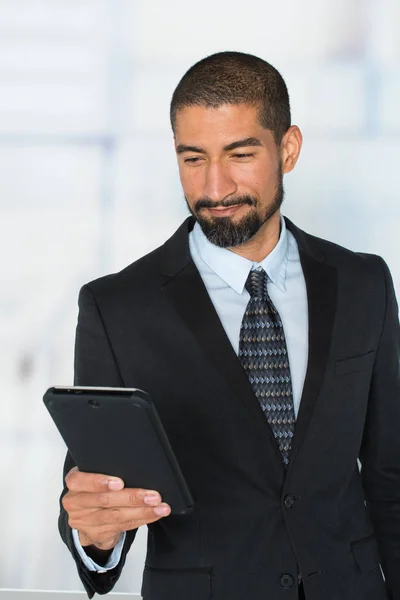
x=222, y=231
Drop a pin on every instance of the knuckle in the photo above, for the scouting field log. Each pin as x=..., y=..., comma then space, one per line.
x=69, y=501
x=103, y=499
x=106, y=541
x=132, y=497
x=113, y=515
x=73, y=522
x=101, y=544
x=131, y=524
x=72, y=479
x=66, y=502
x=143, y=514
x=101, y=536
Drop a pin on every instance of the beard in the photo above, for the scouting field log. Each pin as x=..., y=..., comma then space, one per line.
x=222, y=232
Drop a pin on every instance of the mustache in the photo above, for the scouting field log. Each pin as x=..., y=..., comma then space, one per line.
x=207, y=203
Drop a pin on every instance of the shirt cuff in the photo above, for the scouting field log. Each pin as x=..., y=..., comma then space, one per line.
x=90, y=564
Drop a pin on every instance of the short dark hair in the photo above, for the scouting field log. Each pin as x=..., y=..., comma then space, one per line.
x=236, y=78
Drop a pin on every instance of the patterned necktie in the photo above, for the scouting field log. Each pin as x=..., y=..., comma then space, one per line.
x=264, y=357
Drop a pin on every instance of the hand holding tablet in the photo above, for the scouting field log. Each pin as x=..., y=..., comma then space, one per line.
x=101, y=508
x=127, y=468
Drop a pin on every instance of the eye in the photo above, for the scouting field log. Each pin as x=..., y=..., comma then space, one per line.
x=193, y=159
x=242, y=155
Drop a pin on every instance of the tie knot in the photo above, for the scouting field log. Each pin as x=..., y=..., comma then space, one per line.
x=256, y=283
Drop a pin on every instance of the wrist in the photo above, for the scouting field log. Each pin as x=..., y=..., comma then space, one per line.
x=98, y=555
x=106, y=547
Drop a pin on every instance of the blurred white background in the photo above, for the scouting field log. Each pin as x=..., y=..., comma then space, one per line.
x=88, y=183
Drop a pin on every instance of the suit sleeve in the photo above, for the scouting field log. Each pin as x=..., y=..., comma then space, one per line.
x=95, y=365
x=380, y=455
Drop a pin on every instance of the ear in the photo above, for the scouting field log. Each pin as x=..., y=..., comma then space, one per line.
x=290, y=148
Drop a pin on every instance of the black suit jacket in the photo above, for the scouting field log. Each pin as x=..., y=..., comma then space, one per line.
x=255, y=526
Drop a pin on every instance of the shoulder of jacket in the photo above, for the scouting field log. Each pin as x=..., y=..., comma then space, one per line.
x=143, y=273
x=341, y=256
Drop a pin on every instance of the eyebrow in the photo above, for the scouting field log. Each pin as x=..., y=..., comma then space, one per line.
x=247, y=142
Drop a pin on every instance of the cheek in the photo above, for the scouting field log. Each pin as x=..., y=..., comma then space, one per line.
x=192, y=181
x=258, y=178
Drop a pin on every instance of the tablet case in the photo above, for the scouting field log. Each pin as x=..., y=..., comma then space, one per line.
x=117, y=431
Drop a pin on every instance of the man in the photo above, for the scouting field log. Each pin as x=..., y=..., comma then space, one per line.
x=273, y=359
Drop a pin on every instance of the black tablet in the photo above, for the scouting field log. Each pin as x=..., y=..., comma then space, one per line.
x=117, y=431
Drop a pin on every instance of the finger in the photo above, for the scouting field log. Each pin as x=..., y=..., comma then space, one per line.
x=113, y=517
x=77, y=481
x=87, y=502
x=128, y=497
x=134, y=524
x=102, y=534
x=129, y=525
x=110, y=516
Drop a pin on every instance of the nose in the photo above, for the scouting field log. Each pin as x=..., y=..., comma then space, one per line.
x=219, y=183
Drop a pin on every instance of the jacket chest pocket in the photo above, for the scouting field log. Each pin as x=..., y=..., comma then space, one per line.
x=354, y=363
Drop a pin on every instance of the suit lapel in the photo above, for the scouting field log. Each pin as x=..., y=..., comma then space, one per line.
x=189, y=297
x=186, y=292
x=321, y=286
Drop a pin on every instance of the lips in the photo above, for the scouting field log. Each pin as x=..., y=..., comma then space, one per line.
x=225, y=210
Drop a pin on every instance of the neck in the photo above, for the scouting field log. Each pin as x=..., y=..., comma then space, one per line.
x=263, y=242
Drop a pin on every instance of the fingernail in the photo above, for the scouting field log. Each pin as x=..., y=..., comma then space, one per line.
x=152, y=499
x=115, y=484
x=162, y=511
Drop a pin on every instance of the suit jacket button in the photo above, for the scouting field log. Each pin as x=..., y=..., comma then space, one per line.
x=287, y=581
x=288, y=501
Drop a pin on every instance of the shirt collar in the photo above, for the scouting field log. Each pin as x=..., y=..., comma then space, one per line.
x=234, y=269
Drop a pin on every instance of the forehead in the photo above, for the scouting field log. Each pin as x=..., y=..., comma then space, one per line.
x=207, y=126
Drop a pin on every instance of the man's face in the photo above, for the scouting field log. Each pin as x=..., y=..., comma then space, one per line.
x=230, y=169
